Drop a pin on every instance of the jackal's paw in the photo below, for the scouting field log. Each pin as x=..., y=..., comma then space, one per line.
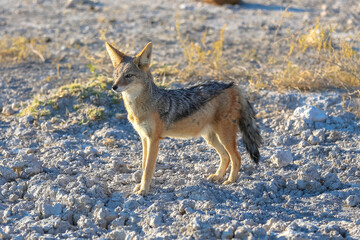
x=137, y=187
x=142, y=192
x=228, y=182
x=214, y=177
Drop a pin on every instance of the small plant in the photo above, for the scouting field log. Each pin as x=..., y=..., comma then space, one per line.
x=351, y=103
x=33, y=108
x=77, y=106
x=53, y=103
x=44, y=113
x=116, y=98
x=95, y=113
x=110, y=142
x=17, y=170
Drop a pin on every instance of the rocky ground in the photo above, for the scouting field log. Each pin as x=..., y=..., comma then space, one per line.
x=70, y=174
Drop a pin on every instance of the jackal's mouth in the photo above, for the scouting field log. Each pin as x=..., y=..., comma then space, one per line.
x=118, y=89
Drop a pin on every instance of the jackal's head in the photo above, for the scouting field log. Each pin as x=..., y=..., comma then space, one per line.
x=130, y=73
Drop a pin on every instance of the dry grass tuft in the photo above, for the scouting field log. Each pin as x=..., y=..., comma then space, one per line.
x=86, y=98
x=95, y=113
x=110, y=142
x=164, y=74
x=351, y=103
x=101, y=61
x=202, y=59
x=317, y=61
x=18, y=49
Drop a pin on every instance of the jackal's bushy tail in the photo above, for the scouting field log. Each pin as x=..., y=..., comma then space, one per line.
x=251, y=136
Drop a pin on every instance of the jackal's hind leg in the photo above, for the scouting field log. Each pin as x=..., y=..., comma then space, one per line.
x=227, y=136
x=213, y=140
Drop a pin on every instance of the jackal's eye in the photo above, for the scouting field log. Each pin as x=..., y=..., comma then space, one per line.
x=129, y=75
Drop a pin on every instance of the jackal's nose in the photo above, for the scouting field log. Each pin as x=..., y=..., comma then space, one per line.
x=114, y=87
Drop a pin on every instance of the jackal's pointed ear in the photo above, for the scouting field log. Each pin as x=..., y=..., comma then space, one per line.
x=143, y=58
x=115, y=55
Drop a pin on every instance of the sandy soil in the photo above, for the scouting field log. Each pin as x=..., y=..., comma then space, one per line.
x=75, y=180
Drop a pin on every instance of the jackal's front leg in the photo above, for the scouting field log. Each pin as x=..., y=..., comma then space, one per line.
x=144, y=147
x=152, y=151
x=144, y=142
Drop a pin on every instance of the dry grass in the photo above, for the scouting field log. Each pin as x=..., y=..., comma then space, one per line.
x=18, y=49
x=318, y=61
x=351, y=102
x=202, y=59
x=86, y=98
x=110, y=142
x=101, y=60
x=164, y=74
x=95, y=113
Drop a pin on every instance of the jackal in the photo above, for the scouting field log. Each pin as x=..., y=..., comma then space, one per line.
x=212, y=110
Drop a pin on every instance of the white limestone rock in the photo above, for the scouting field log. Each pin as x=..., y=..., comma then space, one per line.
x=282, y=158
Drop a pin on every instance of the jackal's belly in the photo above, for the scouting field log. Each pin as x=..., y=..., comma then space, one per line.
x=186, y=133
x=193, y=126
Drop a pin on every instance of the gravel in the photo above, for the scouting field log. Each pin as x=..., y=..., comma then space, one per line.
x=60, y=179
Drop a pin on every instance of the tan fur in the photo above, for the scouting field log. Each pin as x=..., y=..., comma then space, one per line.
x=115, y=55
x=217, y=122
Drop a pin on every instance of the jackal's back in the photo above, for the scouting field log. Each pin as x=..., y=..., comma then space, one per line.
x=174, y=105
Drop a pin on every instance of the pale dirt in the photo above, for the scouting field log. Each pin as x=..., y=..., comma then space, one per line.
x=73, y=186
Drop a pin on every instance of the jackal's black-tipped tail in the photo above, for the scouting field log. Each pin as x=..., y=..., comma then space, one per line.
x=251, y=136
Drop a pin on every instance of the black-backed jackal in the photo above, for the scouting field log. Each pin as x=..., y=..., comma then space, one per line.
x=212, y=110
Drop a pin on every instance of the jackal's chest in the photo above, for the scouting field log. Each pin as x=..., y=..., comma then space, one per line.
x=145, y=120
x=137, y=121
x=142, y=126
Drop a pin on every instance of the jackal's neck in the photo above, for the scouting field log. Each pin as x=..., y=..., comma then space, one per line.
x=149, y=88
x=138, y=101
